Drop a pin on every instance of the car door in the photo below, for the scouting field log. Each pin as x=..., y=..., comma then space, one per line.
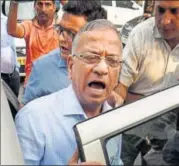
x=10, y=149
x=137, y=133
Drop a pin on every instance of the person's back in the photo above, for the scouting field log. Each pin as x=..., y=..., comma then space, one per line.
x=38, y=33
x=42, y=82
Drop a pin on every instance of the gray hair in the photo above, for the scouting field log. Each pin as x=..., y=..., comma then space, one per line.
x=94, y=25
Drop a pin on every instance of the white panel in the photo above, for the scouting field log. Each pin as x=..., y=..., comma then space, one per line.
x=10, y=150
x=117, y=119
x=94, y=152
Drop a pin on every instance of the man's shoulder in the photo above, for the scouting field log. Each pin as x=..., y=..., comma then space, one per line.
x=145, y=27
x=47, y=59
x=43, y=106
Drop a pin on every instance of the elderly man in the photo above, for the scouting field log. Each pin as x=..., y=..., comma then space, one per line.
x=45, y=125
x=39, y=34
x=49, y=73
x=152, y=63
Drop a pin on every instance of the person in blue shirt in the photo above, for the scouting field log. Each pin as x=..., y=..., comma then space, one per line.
x=49, y=73
x=45, y=125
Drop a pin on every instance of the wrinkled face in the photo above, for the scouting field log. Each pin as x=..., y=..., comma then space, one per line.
x=45, y=10
x=167, y=18
x=94, y=79
x=67, y=29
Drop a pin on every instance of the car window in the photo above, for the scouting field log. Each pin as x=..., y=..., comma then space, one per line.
x=134, y=133
x=25, y=10
x=106, y=3
x=155, y=141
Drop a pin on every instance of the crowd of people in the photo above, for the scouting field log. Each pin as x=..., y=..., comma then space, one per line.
x=76, y=68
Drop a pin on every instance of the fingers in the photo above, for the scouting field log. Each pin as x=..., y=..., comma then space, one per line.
x=115, y=100
x=90, y=163
x=74, y=159
x=118, y=100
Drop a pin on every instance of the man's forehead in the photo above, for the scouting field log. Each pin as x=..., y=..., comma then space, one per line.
x=100, y=34
x=168, y=3
x=99, y=40
x=45, y=1
x=71, y=21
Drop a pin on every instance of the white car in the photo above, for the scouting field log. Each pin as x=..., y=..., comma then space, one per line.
x=121, y=11
x=11, y=153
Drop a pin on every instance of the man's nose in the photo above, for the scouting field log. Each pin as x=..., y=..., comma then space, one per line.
x=61, y=37
x=44, y=8
x=167, y=18
x=101, y=68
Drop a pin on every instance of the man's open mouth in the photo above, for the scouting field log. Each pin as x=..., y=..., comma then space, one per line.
x=97, y=85
x=64, y=48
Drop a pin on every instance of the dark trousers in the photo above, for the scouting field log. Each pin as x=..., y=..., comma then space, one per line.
x=13, y=81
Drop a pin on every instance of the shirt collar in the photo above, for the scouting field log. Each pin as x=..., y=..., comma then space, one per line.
x=156, y=33
x=73, y=107
x=62, y=61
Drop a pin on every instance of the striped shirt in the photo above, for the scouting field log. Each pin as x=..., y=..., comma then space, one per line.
x=150, y=64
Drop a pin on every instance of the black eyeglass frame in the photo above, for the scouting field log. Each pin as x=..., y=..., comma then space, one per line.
x=60, y=30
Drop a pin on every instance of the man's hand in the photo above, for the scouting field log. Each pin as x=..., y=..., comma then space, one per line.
x=147, y=15
x=21, y=106
x=115, y=100
x=75, y=158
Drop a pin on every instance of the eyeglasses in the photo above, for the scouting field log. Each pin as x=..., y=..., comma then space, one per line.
x=67, y=34
x=112, y=61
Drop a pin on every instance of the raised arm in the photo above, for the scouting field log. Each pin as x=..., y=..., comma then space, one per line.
x=13, y=28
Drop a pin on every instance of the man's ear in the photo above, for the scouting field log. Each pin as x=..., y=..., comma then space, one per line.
x=70, y=64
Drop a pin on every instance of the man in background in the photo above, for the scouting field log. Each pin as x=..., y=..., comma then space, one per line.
x=39, y=34
x=151, y=64
x=49, y=73
x=9, y=65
